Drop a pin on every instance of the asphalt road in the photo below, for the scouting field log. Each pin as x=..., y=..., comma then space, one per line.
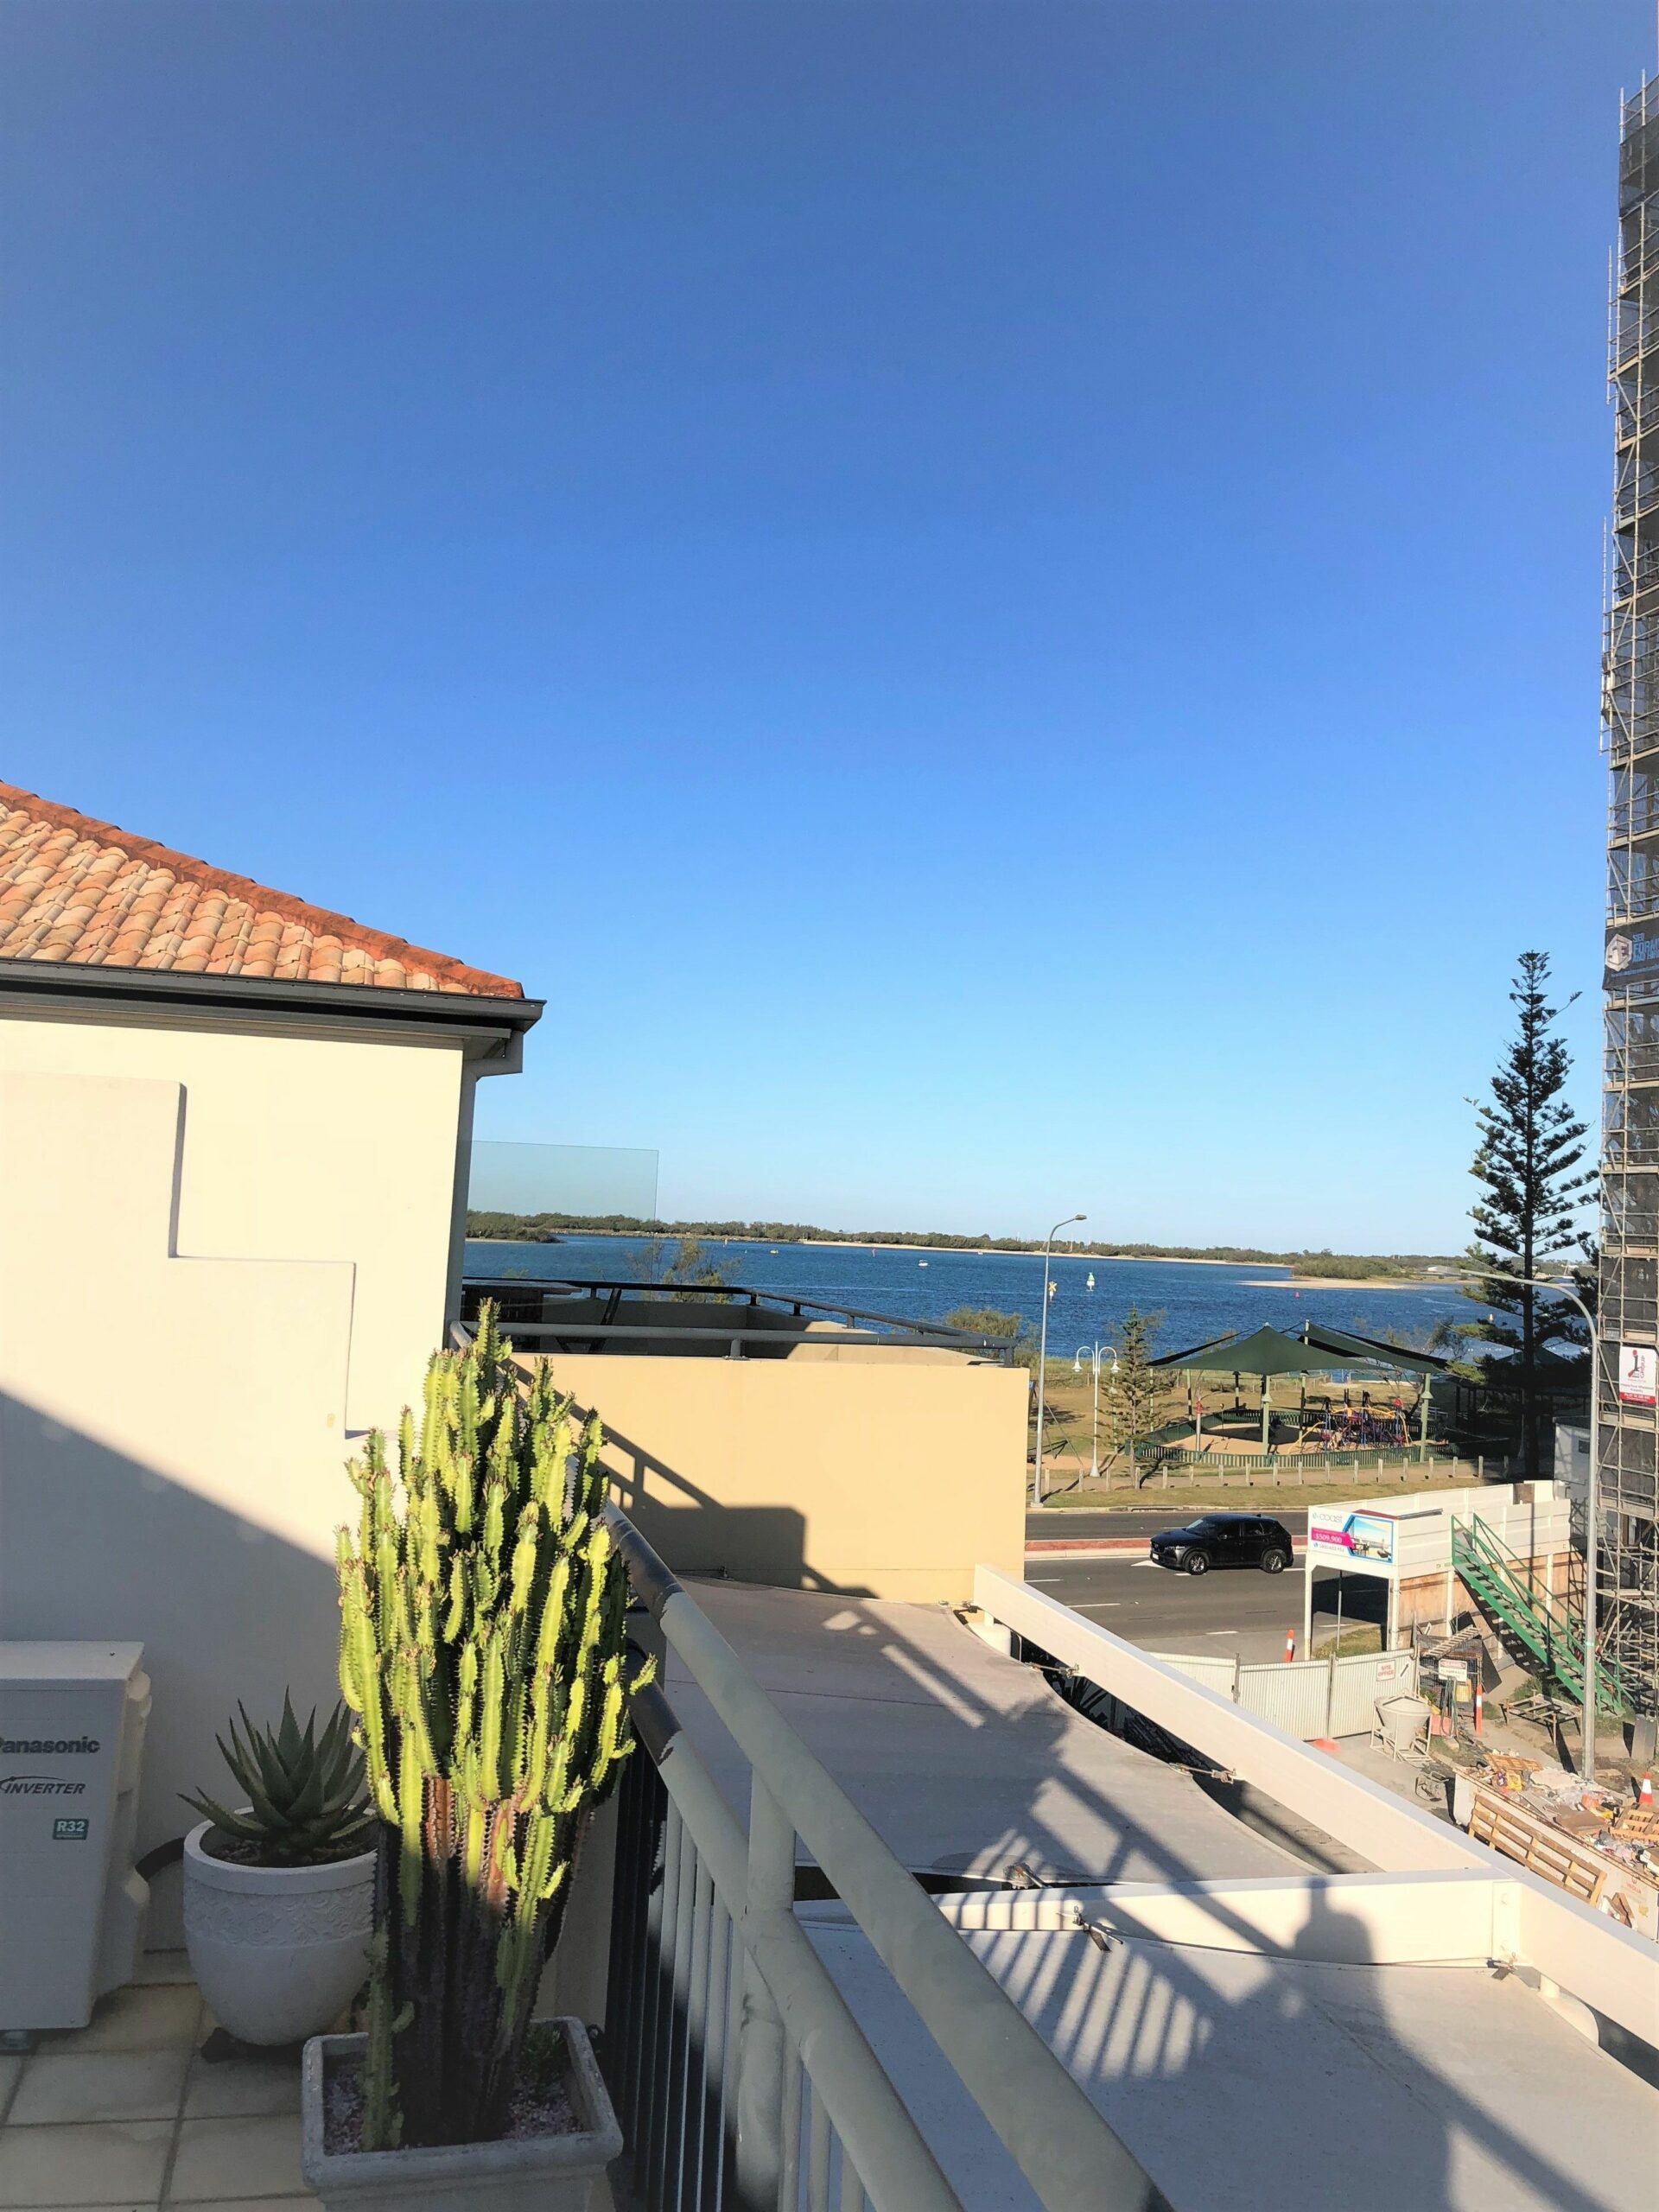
x=1054, y=1524
x=1235, y=1611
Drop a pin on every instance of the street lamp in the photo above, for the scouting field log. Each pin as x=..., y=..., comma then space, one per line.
x=1094, y=1352
x=1591, y=1500
x=1042, y=1352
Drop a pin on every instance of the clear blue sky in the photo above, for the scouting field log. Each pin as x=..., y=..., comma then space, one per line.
x=998, y=604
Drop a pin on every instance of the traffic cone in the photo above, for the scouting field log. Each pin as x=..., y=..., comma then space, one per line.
x=1290, y=1645
x=1644, y=1795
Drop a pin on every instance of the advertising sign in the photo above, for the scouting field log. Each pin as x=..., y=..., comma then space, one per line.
x=1363, y=1536
x=1639, y=1375
x=1631, y=956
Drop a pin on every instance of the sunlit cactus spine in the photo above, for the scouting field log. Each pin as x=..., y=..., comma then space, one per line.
x=482, y=1650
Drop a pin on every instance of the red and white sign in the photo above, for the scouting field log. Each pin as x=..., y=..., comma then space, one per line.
x=1639, y=1375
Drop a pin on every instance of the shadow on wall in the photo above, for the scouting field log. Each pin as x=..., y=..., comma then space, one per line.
x=94, y=1545
x=701, y=1535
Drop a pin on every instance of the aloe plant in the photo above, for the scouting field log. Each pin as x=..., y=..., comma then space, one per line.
x=482, y=1646
x=307, y=1803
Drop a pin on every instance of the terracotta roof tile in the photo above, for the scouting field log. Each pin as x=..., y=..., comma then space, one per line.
x=77, y=890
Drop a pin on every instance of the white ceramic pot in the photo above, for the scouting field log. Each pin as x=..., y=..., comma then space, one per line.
x=553, y=2173
x=278, y=1951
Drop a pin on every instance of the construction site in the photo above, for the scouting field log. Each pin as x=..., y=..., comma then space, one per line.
x=1625, y=1544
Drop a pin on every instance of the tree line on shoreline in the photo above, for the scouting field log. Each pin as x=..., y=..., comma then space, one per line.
x=548, y=1228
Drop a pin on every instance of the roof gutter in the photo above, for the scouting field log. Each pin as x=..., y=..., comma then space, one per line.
x=63, y=987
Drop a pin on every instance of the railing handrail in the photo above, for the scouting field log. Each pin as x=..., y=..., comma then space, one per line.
x=889, y=2151
x=531, y=1285
x=1066, y=2150
x=692, y=1333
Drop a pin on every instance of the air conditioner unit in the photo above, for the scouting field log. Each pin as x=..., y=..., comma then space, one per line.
x=71, y=1905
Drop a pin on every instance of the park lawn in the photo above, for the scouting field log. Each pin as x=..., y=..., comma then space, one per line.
x=1186, y=1499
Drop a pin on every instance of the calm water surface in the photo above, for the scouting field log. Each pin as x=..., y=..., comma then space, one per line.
x=1197, y=1302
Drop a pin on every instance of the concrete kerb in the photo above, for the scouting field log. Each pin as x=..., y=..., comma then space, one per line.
x=1607, y=1966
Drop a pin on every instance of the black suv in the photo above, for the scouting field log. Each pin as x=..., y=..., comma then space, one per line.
x=1224, y=1540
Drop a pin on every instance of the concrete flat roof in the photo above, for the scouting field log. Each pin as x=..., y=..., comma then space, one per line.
x=962, y=1759
x=1245, y=2084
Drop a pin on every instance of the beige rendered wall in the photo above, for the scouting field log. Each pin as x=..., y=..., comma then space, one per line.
x=890, y=1477
x=222, y=1256
x=298, y=1146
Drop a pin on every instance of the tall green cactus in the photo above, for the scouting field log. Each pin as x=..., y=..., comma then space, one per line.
x=481, y=1648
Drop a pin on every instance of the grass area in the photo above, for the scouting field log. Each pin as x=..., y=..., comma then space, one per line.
x=1355, y=1639
x=1184, y=1498
x=1230, y=1426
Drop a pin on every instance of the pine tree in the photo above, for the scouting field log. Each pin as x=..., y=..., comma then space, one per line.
x=1137, y=1389
x=1531, y=1145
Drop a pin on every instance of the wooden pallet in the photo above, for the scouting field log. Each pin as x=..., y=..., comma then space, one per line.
x=1639, y=1825
x=1517, y=1835
x=1512, y=1766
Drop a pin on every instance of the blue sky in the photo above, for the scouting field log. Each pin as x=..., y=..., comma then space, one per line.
x=998, y=604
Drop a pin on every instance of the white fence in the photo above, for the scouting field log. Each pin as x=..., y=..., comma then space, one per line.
x=1307, y=1697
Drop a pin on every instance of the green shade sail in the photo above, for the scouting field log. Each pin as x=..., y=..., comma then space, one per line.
x=1268, y=1351
x=1372, y=1351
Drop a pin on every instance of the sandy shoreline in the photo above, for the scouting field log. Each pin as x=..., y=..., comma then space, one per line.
x=859, y=1244
x=1346, y=1282
x=1019, y=1252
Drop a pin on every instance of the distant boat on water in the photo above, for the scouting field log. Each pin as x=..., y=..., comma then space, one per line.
x=1090, y=1283
x=921, y=1263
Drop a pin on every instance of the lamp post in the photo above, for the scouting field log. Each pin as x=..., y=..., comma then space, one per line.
x=1094, y=1352
x=1042, y=1352
x=1591, y=1502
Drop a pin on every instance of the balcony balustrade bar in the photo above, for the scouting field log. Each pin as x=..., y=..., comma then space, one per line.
x=1067, y=2153
x=521, y=1287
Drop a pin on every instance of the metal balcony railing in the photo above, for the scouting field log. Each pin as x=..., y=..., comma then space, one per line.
x=741, y=2078
x=1633, y=900
x=1635, y=332
x=1624, y=1064
x=1629, y=1149
x=1634, y=817
x=1636, y=483
x=647, y=1316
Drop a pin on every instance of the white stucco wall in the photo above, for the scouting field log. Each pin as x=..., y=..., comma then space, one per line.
x=299, y=1147
x=223, y=1255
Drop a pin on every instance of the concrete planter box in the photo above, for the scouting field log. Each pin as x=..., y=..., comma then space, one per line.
x=553, y=2173
x=279, y=1952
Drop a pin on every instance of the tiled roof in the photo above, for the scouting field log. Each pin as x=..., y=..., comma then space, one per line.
x=76, y=890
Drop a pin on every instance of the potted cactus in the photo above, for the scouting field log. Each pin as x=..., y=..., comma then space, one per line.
x=482, y=1646
x=279, y=1893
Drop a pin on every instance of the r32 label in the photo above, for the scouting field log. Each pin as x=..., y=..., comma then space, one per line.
x=69, y=1831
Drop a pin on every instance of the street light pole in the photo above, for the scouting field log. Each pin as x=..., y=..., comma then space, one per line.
x=1591, y=1504
x=1042, y=1352
x=1077, y=1369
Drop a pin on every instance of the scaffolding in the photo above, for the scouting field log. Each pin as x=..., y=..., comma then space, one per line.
x=1626, y=1550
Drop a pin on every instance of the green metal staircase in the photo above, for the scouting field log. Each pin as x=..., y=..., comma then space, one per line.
x=1539, y=1622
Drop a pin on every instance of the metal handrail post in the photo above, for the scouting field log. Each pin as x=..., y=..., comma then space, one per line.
x=900, y=2172
x=771, y=1889
x=1064, y=2146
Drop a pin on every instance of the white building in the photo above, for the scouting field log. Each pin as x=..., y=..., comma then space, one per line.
x=233, y=1133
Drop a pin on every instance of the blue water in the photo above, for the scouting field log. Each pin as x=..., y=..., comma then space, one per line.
x=1197, y=1301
